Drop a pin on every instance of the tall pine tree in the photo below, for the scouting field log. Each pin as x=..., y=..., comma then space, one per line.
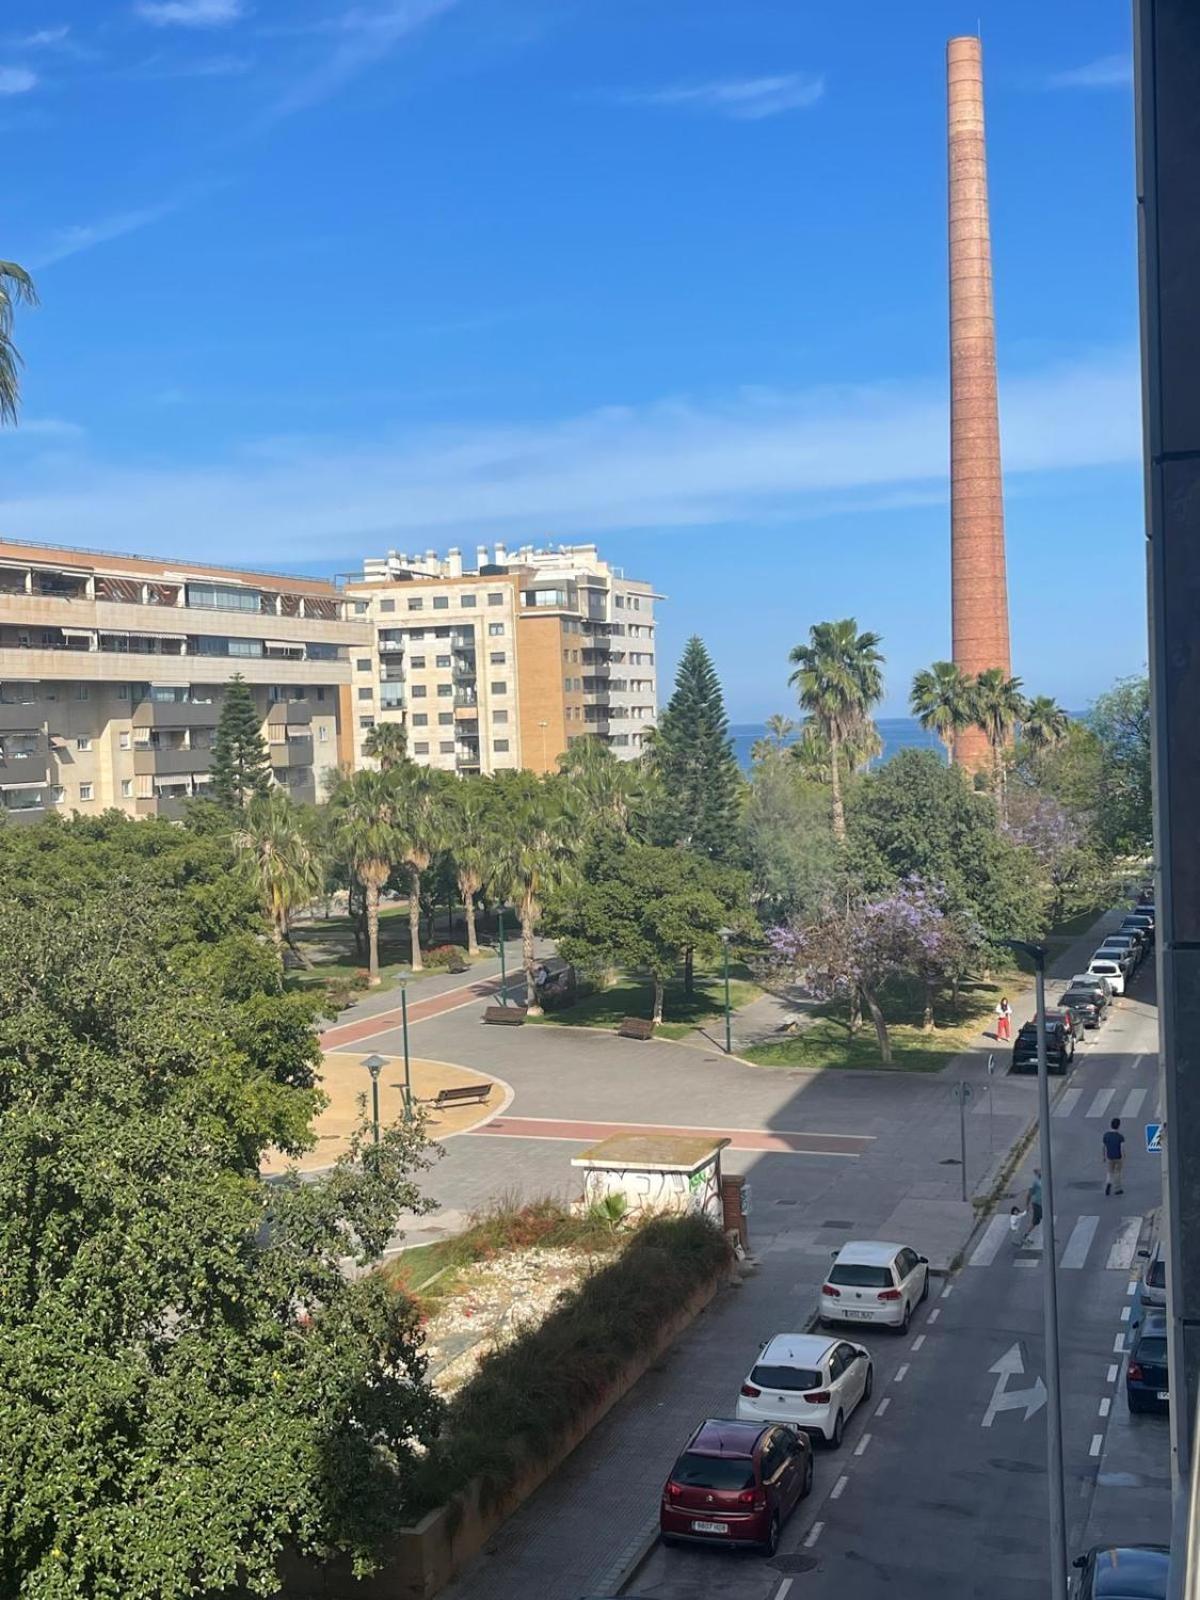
x=240, y=766
x=693, y=757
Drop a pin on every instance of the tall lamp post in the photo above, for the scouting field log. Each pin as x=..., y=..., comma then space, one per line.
x=1054, y=1450
x=375, y=1065
x=503, y=966
x=404, y=1028
x=725, y=935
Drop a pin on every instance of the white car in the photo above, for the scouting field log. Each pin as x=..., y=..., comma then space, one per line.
x=808, y=1380
x=1111, y=971
x=874, y=1282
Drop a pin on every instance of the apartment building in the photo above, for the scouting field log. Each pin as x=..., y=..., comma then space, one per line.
x=113, y=668
x=506, y=664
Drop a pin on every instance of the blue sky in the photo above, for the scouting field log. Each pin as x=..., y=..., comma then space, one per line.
x=322, y=278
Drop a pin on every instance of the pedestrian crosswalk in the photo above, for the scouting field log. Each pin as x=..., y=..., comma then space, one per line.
x=1018, y=1101
x=1118, y=1242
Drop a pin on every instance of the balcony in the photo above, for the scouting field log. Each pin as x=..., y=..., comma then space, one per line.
x=466, y=699
x=293, y=752
x=391, y=647
x=169, y=761
x=172, y=714
x=21, y=771
x=289, y=714
x=20, y=717
x=173, y=807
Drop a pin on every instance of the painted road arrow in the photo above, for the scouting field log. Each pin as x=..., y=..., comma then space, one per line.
x=1011, y=1364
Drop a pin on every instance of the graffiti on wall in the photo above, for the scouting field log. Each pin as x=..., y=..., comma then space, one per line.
x=648, y=1190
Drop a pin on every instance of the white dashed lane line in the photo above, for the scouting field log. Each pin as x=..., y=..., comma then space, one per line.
x=882, y=1407
x=810, y=1539
x=935, y=1313
x=839, y=1488
x=1119, y=1345
x=901, y=1373
x=785, y=1588
x=947, y=1291
x=862, y=1444
x=1126, y=1313
x=1112, y=1373
x=917, y=1342
x=1105, y=1406
x=1097, y=1441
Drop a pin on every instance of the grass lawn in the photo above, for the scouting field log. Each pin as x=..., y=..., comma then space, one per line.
x=828, y=1042
x=634, y=997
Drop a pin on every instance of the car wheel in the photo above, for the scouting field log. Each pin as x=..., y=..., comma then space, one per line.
x=806, y=1487
x=925, y=1286
x=772, y=1543
x=839, y=1428
x=870, y=1383
x=903, y=1326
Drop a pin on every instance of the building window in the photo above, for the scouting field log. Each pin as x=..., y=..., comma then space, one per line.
x=445, y=690
x=618, y=599
x=467, y=600
x=83, y=742
x=387, y=605
x=419, y=691
x=366, y=694
x=124, y=741
x=500, y=746
x=499, y=686
x=86, y=791
x=416, y=662
x=360, y=608
x=447, y=747
x=421, y=748
x=57, y=794
x=363, y=664
x=320, y=694
x=495, y=630
x=445, y=717
x=81, y=691
x=415, y=603
x=441, y=661
x=322, y=734
x=439, y=633
x=420, y=719
x=441, y=602
x=126, y=788
x=215, y=597
x=366, y=722
x=497, y=658
x=496, y=599
x=122, y=691
x=499, y=716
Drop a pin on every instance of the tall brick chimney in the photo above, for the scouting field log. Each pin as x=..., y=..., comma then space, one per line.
x=978, y=582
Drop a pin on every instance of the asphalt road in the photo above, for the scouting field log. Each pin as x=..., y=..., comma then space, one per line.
x=940, y=1486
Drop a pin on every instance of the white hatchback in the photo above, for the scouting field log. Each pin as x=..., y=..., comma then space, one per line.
x=1110, y=970
x=870, y=1281
x=808, y=1380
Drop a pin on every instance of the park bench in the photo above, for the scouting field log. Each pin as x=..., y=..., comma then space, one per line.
x=465, y=1094
x=505, y=1016
x=636, y=1028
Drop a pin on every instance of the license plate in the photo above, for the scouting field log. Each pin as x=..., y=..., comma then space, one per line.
x=1164, y=1394
x=710, y=1527
x=862, y=1316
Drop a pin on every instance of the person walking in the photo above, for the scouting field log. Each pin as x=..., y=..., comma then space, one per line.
x=1033, y=1206
x=1004, y=1019
x=1114, y=1157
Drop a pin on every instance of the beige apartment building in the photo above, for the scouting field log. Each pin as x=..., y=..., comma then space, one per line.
x=112, y=671
x=508, y=664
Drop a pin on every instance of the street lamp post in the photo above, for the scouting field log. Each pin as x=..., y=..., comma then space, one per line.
x=407, y=1066
x=1054, y=1449
x=375, y=1065
x=503, y=967
x=725, y=935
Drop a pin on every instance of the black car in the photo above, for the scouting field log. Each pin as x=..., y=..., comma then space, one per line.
x=1060, y=1048
x=1135, y=931
x=1089, y=1005
x=1136, y=922
x=1122, y=1572
x=1147, y=1382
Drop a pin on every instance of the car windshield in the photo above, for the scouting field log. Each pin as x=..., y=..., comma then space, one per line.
x=1152, y=1349
x=1078, y=997
x=1105, y=966
x=1156, y=1274
x=713, y=1472
x=772, y=1377
x=859, y=1277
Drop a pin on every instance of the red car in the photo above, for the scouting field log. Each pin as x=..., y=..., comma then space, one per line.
x=736, y=1483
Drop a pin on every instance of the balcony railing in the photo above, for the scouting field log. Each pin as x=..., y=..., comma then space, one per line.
x=169, y=760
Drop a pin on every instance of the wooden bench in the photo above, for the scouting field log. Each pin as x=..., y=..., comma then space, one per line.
x=505, y=1016
x=466, y=1094
x=636, y=1028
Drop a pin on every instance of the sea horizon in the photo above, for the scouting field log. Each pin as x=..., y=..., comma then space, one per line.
x=897, y=733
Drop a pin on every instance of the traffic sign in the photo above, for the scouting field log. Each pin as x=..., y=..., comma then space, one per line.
x=1154, y=1138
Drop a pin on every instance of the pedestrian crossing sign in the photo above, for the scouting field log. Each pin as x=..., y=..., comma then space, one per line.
x=1154, y=1133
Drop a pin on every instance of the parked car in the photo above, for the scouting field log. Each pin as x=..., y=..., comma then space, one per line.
x=1060, y=1047
x=1135, y=922
x=1154, y=1272
x=1122, y=1572
x=1139, y=935
x=1071, y=1020
x=736, y=1483
x=1089, y=980
x=874, y=1282
x=1147, y=1381
x=809, y=1380
x=1089, y=1005
x=1110, y=969
x=1124, y=947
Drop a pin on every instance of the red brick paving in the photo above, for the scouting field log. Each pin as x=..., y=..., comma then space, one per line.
x=785, y=1141
x=418, y=1011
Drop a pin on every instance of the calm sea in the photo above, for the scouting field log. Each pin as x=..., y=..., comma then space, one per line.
x=897, y=733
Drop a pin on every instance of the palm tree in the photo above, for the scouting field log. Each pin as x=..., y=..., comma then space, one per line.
x=539, y=832
x=472, y=834
x=15, y=286
x=780, y=734
x=997, y=703
x=941, y=702
x=387, y=743
x=838, y=680
x=602, y=787
x=1045, y=723
x=423, y=816
x=278, y=850
x=367, y=836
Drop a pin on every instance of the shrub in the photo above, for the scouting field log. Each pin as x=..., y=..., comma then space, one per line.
x=526, y=1396
x=445, y=955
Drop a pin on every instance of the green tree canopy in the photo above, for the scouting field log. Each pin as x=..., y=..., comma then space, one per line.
x=786, y=838
x=15, y=286
x=838, y=679
x=691, y=756
x=240, y=767
x=1120, y=720
x=941, y=701
x=387, y=743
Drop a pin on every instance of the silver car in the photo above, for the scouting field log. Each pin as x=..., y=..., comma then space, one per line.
x=1154, y=1271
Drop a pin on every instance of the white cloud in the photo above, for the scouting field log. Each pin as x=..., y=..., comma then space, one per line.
x=1108, y=72
x=42, y=39
x=228, y=66
x=674, y=464
x=743, y=99
x=190, y=13
x=73, y=240
x=17, y=80
x=364, y=37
